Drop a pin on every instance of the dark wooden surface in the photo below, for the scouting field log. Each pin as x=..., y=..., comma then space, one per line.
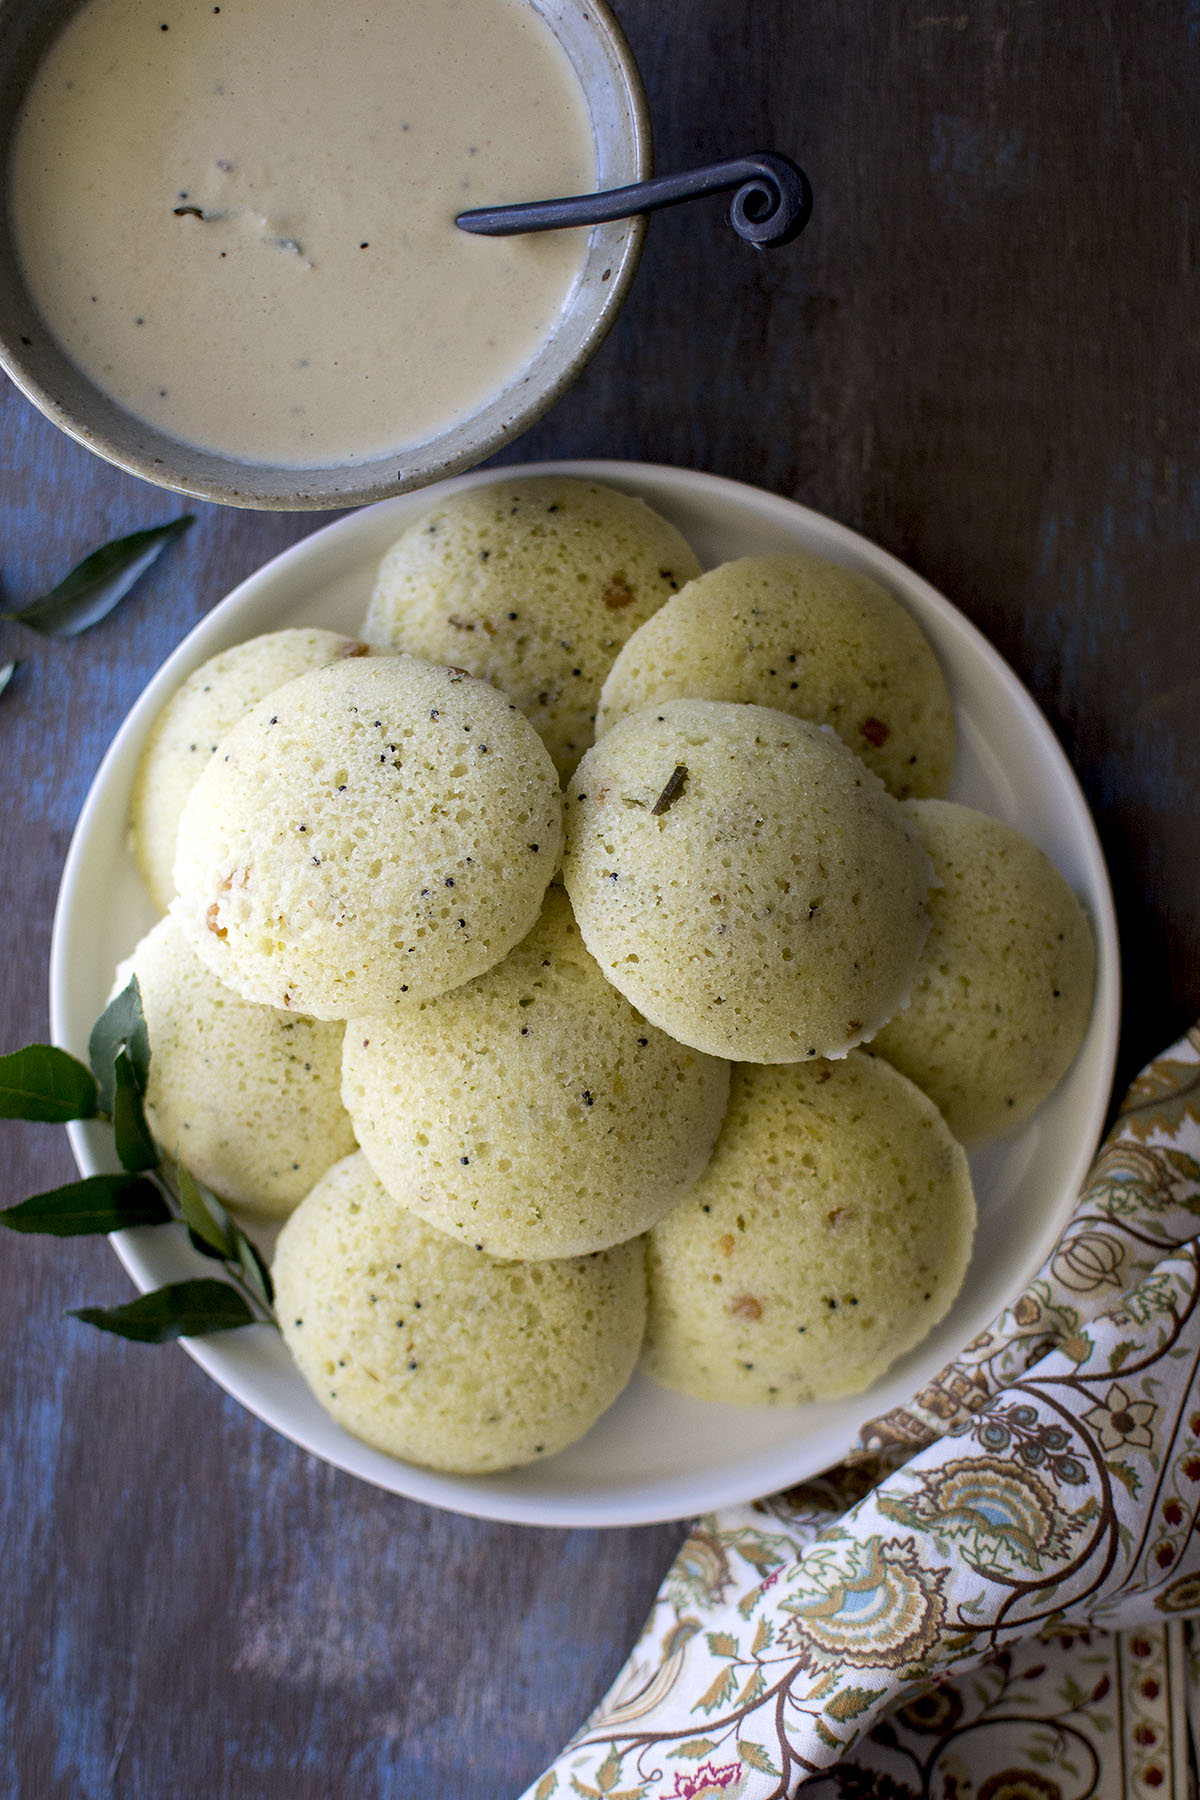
x=983, y=354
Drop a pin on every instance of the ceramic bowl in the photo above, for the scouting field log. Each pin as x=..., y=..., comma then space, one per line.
x=604, y=65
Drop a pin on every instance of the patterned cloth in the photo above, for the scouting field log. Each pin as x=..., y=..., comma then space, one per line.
x=987, y=1601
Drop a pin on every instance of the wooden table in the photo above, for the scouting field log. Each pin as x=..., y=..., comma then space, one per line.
x=983, y=355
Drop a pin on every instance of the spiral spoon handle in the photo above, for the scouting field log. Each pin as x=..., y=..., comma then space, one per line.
x=772, y=204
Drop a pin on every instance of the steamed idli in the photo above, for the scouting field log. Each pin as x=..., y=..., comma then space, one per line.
x=812, y=638
x=744, y=880
x=377, y=831
x=535, y=584
x=532, y=1112
x=246, y=1097
x=192, y=724
x=434, y=1352
x=1003, y=990
x=830, y=1232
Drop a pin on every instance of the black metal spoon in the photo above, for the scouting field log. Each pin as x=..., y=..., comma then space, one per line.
x=772, y=204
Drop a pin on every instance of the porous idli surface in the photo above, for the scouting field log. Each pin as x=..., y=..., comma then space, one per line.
x=811, y=638
x=535, y=584
x=744, y=880
x=533, y=1112
x=1003, y=991
x=437, y=1353
x=192, y=724
x=830, y=1232
x=377, y=831
x=246, y=1097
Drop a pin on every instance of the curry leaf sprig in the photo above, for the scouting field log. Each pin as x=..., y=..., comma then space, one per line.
x=93, y=587
x=44, y=1083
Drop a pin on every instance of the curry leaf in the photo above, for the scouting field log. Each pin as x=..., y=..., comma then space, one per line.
x=94, y=586
x=135, y=1146
x=214, y=1233
x=121, y=1026
x=255, y=1272
x=185, y=1309
x=205, y=1217
x=44, y=1083
x=97, y=1204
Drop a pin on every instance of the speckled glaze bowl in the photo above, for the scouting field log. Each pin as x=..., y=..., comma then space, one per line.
x=604, y=65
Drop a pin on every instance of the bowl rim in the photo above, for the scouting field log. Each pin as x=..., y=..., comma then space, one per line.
x=142, y=450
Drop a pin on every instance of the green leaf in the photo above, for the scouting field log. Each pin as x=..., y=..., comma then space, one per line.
x=95, y=585
x=700, y=1746
x=754, y=1689
x=185, y=1309
x=44, y=1083
x=202, y=1249
x=756, y=1756
x=215, y=1233
x=204, y=1215
x=255, y=1272
x=823, y=1685
x=717, y=1692
x=99, y=1203
x=122, y=1025
x=135, y=1146
x=1127, y=1476
x=546, y=1786
x=850, y=1702
x=6, y=674
x=721, y=1643
x=609, y=1772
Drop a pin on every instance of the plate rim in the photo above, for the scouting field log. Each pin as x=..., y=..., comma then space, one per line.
x=652, y=1500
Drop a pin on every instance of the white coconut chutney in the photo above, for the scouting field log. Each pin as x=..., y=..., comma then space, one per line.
x=238, y=219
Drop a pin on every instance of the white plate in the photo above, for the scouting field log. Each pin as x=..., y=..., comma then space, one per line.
x=655, y=1455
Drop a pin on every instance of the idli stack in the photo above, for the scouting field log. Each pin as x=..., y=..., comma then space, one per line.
x=504, y=1099
x=830, y=1232
x=1003, y=990
x=535, y=584
x=744, y=880
x=192, y=724
x=532, y=1112
x=246, y=1097
x=435, y=1352
x=811, y=638
x=375, y=832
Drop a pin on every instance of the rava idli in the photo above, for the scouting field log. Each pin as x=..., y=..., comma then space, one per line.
x=812, y=638
x=532, y=1112
x=744, y=880
x=246, y=1097
x=830, y=1232
x=534, y=583
x=435, y=1352
x=1003, y=990
x=192, y=724
x=377, y=831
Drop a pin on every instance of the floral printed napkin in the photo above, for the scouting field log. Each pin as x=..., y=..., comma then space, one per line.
x=988, y=1600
